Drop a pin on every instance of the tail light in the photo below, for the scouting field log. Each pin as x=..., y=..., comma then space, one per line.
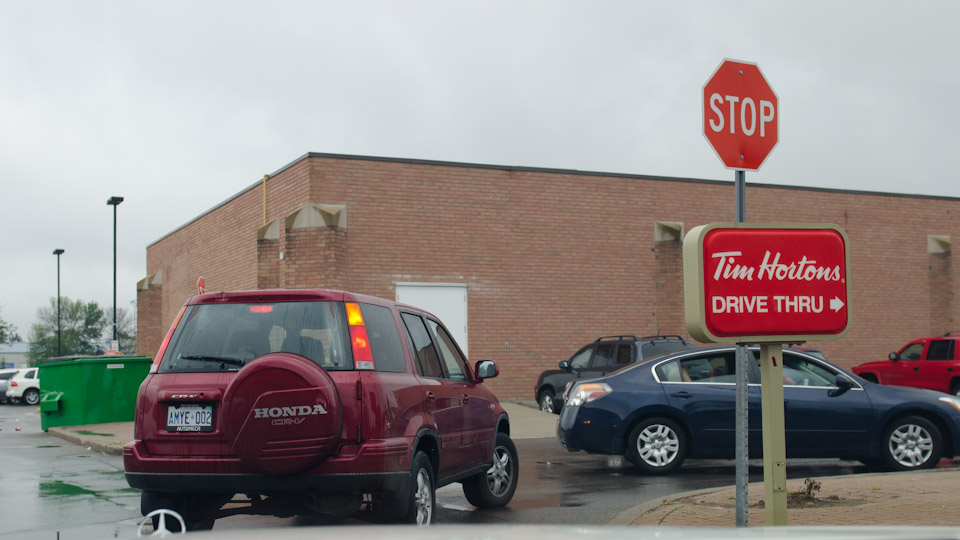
x=14, y=383
x=585, y=393
x=166, y=341
x=362, y=355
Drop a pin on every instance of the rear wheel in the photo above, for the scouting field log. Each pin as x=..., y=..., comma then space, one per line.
x=955, y=388
x=657, y=446
x=911, y=443
x=199, y=512
x=548, y=401
x=31, y=396
x=495, y=487
x=416, y=504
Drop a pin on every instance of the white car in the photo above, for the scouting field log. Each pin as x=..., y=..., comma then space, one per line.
x=5, y=376
x=24, y=387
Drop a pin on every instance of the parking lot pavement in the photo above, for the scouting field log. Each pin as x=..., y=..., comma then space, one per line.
x=887, y=499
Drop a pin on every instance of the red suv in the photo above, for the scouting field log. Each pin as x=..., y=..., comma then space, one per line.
x=930, y=363
x=314, y=401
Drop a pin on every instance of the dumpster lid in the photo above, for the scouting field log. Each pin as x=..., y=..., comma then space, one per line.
x=111, y=357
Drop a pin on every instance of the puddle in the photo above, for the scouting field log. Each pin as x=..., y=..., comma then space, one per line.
x=83, y=432
x=59, y=488
x=48, y=446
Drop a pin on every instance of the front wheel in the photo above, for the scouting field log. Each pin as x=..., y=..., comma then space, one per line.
x=657, y=446
x=495, y=487
x=31, y=396
x=911, y=443
x=548, y=402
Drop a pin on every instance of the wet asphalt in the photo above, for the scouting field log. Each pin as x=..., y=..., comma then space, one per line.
x=50, y=486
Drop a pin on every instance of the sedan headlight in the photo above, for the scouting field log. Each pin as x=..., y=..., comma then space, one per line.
x=587, y=392
x=952, y=401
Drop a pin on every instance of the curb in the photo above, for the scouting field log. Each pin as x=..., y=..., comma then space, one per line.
x=628, y=516
x=110, y=449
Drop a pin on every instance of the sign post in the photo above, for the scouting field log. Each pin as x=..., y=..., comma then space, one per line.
x=770, y=284
x=742, y=127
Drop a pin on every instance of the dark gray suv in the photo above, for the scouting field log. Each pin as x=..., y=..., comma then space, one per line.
x=604, y=355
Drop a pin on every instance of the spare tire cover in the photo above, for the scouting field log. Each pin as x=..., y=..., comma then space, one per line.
x=282, y=414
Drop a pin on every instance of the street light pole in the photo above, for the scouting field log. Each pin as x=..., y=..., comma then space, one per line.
x=114, y=202
x=58, y=252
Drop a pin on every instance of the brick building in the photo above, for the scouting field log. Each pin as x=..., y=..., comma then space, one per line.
x=548, y=259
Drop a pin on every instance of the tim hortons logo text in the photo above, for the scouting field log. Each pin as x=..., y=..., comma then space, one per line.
x=288, y=415
x=802, y=270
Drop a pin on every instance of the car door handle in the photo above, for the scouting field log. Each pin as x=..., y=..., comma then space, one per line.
x=949, y=369
x=431, y=396
x=916, y=369
x=684, y=394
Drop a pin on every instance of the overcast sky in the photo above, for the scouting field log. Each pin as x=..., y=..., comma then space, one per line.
x=176, y=106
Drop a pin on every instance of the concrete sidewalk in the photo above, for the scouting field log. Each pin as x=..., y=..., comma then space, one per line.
x=892, y=499
x=889, y=499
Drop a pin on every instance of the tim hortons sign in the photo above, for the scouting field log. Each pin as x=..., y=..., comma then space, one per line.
x=765, y=282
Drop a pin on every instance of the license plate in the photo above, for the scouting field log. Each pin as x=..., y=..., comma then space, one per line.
x=190, y=418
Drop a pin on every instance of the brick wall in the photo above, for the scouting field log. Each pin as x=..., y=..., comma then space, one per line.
x=150, y=327
x=552, y=259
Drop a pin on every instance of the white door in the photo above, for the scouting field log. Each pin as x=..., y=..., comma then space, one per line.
x=448, y=301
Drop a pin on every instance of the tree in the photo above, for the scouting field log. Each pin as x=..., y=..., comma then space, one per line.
x=126, y=329
x=8, y=332
x=82, y=327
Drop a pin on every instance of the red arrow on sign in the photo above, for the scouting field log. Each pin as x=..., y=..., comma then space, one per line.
x=740, y=115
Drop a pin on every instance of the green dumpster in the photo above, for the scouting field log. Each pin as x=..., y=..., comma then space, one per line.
x=80, y=390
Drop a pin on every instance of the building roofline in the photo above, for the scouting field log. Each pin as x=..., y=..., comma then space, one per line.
x=545, y=170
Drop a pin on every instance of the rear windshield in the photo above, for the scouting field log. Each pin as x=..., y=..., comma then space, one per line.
x=224, y=337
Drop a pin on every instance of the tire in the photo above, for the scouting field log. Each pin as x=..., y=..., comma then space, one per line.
x=955, y=388
x=416, y=505
x=869, y=377
x=548, y=402
x=495, y=487
x=31, y=396
x=657, y=446
x=911, y=443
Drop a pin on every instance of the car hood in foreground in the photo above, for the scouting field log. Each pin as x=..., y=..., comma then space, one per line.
x=581, y=532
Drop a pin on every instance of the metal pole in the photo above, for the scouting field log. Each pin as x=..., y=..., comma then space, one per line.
x=742, y=426
x=115, y=338
x=58, y=306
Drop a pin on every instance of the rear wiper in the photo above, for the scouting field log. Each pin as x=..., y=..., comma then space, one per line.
x=221, y=359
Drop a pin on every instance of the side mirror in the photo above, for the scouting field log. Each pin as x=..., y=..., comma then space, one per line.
x=842, y=382
x=893, y=356
x=564, y=365
x=487, y=369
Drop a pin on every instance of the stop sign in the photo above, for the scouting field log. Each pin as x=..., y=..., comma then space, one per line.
x=740, y=115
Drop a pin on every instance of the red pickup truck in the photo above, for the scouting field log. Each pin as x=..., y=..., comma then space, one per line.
x=930, y=362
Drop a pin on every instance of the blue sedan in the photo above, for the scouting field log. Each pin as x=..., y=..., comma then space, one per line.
x=681, y=405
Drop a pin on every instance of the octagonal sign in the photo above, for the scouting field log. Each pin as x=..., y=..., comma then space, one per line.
x=740, y=115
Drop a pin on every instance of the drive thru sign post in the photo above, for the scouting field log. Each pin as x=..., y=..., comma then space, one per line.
x=741, y=122
x=769, y=284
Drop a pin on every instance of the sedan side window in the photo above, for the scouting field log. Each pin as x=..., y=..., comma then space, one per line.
x=912, y=351
x=718, y=368
x=799, y=371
